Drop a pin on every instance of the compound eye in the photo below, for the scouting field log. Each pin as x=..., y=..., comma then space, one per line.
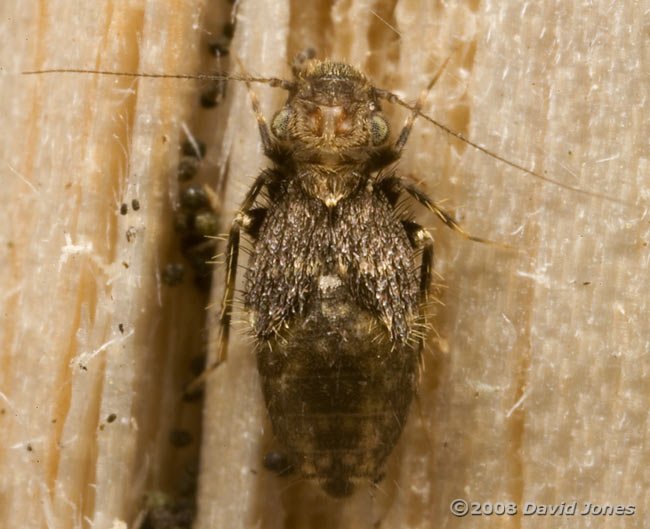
x=280, y=123
x=379, y=129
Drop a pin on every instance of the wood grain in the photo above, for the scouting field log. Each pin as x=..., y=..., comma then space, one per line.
x=535, y=383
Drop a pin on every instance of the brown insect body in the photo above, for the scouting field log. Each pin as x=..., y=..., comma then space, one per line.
x=332, y=286
x=324, y=287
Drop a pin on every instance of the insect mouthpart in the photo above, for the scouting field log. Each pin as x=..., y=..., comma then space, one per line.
x=328, y=122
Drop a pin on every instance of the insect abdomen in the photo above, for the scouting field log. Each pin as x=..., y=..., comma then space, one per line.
x=337, y=389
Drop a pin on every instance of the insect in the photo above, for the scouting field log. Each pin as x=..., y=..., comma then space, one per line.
x=337, y=278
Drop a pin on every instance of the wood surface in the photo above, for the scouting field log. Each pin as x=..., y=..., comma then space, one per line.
x=535, y=382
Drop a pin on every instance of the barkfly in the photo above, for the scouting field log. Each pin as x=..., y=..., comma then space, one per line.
x=338, y=278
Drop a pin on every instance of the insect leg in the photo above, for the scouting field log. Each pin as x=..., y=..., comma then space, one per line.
x=242, y=220
x=270, y=147
x=426, y=241
x=232, y=255
x=422, y=239
x=447, y=218
x=416, y=110
x=267, y=142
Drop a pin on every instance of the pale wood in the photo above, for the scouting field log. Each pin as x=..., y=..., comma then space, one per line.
x=74, y=148
x=535, y=389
